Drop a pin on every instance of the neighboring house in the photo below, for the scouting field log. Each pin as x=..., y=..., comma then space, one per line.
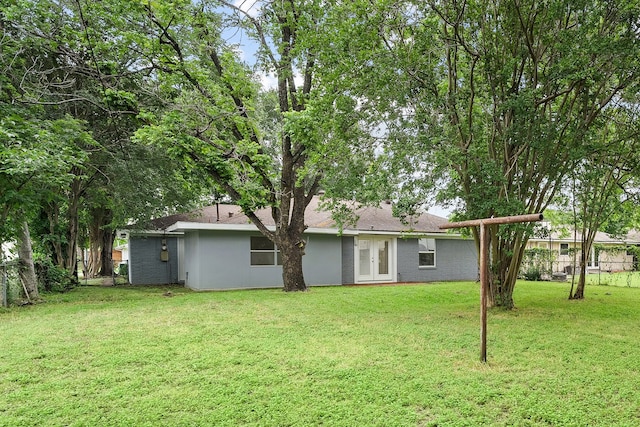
x=564, y=251
x=120, y=252
x=219, y=248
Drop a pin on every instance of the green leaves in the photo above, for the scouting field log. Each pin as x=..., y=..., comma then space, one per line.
x=36, y=159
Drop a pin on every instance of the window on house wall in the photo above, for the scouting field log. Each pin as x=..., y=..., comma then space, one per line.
x=264, y=252
x=564, y=249
x=427, y=252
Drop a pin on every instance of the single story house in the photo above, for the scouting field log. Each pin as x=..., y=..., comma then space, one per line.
x=607, y=253
x=217, y=247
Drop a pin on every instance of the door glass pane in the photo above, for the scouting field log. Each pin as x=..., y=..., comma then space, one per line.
x=383, y=257
x=365, y=258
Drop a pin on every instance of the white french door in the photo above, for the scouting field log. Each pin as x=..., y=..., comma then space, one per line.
x=375, y=259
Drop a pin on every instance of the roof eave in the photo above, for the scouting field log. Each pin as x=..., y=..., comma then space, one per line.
x=184, y=226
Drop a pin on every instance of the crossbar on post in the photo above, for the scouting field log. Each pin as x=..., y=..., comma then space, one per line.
x=484, y=262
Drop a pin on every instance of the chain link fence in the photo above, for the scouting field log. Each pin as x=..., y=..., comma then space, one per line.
x=12, y=291
x=11, y=287
x=614, y=274
x=544, y=264
x=119, y=275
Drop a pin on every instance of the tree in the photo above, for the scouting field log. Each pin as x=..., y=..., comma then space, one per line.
x=212, y=123
x=601, y=181
x=34, y=159
x=497, y=98
x=65, y=55
x=27, y=270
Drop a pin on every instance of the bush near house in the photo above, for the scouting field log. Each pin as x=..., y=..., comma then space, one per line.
x=537, y=263
x=52, y=278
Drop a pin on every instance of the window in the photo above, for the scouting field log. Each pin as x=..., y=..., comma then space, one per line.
x=427, y=252
x=264, y=252
x=564, y=249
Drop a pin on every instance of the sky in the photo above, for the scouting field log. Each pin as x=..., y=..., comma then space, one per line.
x=439, y=211
x=247, y=47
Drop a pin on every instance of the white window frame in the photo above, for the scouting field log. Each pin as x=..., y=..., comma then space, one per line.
x=430, y=249
x=564, y=252
x=277, y=259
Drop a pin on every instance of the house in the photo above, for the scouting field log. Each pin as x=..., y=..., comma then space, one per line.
x=217, y=247
x=607, y=253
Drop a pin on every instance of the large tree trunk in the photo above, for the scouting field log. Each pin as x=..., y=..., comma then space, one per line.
x=292, y=275
x=505, y=260
x=27, y=270
x=71, y=255
x=107, y=252
x=94, y=266
x=100, y=243
x=587, y=242
x=289, y=238
x=53, y=215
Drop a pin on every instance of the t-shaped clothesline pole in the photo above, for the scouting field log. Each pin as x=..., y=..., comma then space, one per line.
x=484, y=261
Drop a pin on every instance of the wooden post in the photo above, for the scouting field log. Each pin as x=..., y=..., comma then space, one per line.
x=484, y=263
x=484, y=288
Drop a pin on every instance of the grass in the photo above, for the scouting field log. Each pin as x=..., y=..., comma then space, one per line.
x=338, y=356
x=628, y=278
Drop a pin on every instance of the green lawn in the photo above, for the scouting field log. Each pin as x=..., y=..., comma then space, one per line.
x=339, y=356
x=627, y=278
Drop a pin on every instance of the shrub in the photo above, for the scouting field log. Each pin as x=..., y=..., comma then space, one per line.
x=533, y=274
x=536, y=263
x=123, y=270
x=52, y=278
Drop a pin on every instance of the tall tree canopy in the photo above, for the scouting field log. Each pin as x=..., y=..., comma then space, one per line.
x=501, y=98
x=70, y=96
x=485, y=104
x=213, y=122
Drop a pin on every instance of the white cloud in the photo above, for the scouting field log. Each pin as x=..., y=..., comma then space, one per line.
x=250, y=7
x=270, y=81
x=439, y=211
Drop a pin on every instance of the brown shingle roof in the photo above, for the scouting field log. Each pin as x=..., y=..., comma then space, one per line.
x=369, y=218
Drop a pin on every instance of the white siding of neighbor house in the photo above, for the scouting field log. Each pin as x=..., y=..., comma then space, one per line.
x=221, y=260
x=607, y=260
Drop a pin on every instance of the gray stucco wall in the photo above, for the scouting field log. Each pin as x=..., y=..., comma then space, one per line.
x=221, y=260
x=145, y=266
x=456, y=259
x=348, y=260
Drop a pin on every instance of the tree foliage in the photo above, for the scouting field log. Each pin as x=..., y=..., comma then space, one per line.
x=71, y=93
x=262, y=148
x=501, y=99
x=486, y=105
